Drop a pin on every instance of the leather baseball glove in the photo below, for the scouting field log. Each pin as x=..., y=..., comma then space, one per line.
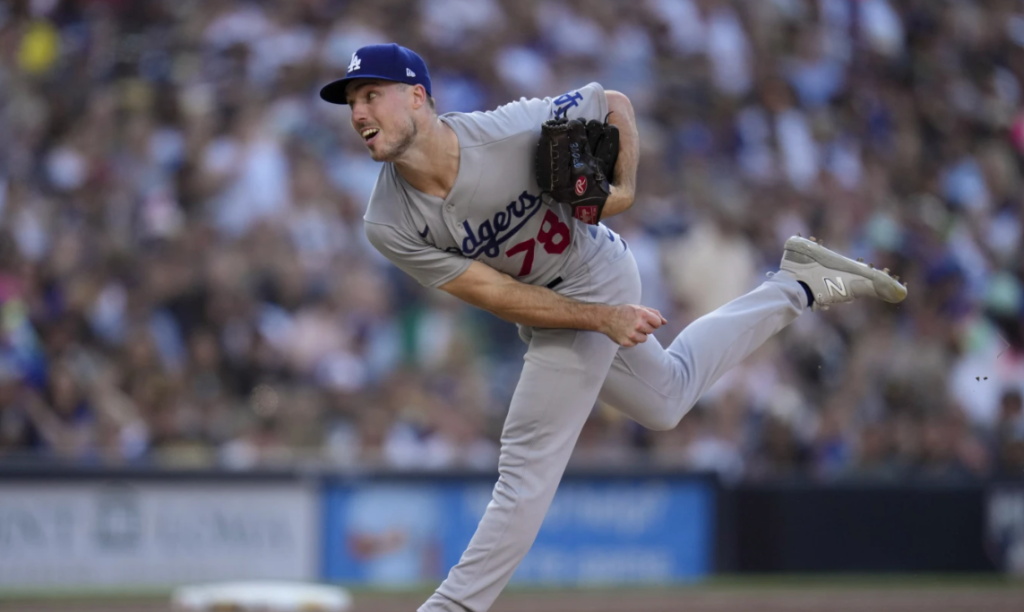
x=574, y=163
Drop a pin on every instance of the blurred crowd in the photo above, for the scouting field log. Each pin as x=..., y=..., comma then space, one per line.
x=184, y=279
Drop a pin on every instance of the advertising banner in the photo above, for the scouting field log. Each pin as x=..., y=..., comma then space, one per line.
x=98, y=533
x=597, y=531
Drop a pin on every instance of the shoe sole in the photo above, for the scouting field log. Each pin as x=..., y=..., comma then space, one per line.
x=888, y=289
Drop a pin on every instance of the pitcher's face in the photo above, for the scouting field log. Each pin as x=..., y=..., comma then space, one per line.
x=382, y=114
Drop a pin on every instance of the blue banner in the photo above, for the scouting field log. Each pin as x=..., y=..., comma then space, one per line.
x=631, y=531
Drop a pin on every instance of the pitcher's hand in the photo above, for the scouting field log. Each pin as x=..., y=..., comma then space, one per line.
x=629, y=324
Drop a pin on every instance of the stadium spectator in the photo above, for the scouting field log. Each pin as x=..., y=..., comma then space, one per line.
x=184, y=279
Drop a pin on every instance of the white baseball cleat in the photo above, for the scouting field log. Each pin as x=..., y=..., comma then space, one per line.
x=834, y=279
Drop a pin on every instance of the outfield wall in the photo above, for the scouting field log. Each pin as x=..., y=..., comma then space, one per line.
x=870, y=528
x=628, y=529
x=136, y=528
x=142, y=533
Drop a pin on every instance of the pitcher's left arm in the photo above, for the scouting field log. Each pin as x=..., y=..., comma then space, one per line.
x=623, y=188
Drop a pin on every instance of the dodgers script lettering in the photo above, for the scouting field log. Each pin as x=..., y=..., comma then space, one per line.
x=488, y=237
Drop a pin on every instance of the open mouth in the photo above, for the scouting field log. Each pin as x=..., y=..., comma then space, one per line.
x=369, y=134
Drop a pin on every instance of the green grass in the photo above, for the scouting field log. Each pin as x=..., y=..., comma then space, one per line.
x=868, y=581
x=96, y=594
x=729, y=582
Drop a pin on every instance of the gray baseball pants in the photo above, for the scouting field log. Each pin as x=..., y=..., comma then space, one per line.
x=566, y=371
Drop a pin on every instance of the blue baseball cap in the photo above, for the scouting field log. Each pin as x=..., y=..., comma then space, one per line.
x=389, y=62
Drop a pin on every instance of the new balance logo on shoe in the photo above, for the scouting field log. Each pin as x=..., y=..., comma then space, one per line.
x=834, y=288
x=409, y=72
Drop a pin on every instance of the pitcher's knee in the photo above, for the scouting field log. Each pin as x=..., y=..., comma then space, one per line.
x=669, y=417
x=514, y=489
x=664, y=420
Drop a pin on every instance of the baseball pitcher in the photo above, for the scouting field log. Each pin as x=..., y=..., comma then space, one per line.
x=502, y=209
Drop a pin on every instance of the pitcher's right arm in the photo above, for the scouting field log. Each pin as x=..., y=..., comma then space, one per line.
x=505, y=297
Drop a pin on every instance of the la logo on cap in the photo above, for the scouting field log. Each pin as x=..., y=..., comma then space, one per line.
x=355, y=63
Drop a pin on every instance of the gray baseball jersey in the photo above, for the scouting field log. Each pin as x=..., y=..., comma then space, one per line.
x=495, y=214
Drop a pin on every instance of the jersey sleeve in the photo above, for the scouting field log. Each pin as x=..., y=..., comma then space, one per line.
x=588, y=102
x=430, y=266
x=523, y=115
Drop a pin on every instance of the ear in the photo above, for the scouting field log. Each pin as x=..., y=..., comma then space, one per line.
x=419, y=96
